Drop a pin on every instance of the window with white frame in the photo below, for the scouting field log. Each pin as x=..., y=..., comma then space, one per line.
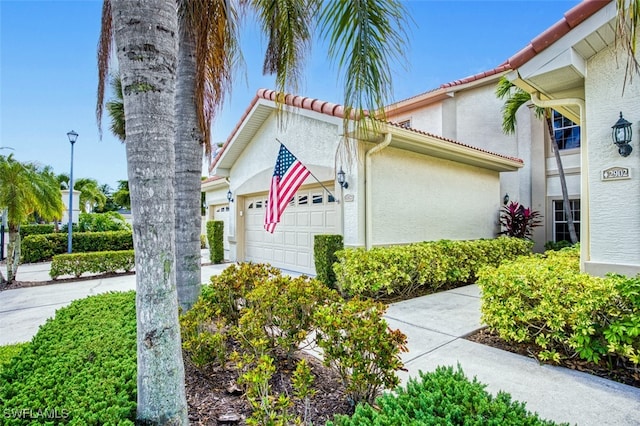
x=566, y=132
x=560, y=226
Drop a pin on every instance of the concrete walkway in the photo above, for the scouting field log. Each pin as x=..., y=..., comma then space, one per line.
x=435, y=326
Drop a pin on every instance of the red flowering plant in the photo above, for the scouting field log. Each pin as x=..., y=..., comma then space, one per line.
x=518, y=221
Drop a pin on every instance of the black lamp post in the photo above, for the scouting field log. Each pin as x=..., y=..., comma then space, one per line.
x=73, y=136
x=621, y=135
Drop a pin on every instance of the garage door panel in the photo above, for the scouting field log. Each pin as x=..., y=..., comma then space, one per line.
x=317, y=219
x=302, y=219
x=290, y=247
x=302, y=239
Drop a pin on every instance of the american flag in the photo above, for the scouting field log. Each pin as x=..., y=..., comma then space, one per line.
x=288, y=174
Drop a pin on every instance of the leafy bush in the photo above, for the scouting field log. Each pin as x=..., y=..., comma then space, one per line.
x=8, y=352
x=519, y=221
x=442, y=397
x=38, y=248
x=82, y=364
x=359, y=345
x=559, y=245
x=35, y=229
x=324, y=254
x=215, y=237
x=422, y=267
x=92, y=262
x=280, y=310
x=102, y=222
x=544, y=299
x=267, y=315
x=203, y=241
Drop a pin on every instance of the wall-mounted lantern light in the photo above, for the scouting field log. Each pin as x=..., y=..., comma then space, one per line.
x=342, y=179
x=230, y=196
x=505, y=200
x=621, y=135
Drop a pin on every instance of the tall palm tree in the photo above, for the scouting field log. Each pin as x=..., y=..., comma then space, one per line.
x=364, y=36
x=91, y=196
x=146, y=39
x=25, y=188
x=627, y=23
x=514, y=99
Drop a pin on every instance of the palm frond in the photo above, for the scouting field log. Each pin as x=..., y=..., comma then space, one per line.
x=213, y=24
x=365, y=37
x=115, y=109
x=515, y=98
x=104, y=53
x=627, y=22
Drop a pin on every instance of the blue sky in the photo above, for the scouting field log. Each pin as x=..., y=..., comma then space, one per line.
x=48, y=73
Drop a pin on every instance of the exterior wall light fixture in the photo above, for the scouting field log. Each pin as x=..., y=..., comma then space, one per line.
x=229, y=196
x=342, y=179
x=505, y=200
x=621, y=135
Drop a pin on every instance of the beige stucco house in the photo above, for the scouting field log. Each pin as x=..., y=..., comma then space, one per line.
x=575, y=68
x=403, y=185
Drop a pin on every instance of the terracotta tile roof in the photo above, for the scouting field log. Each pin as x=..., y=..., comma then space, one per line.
x=327, y=108
x=571, y=19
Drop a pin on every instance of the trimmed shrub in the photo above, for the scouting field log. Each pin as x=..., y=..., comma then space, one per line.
x=39, y=248
x=81, y=365
x=215, y=237
x=203, y=241
x=36, y=229
x=324, y=255
x=357, y=342
x=401, y=271
x=100, y=262
x=559, y=245
x=443, y=397
x=8, y=352
x=544, y=299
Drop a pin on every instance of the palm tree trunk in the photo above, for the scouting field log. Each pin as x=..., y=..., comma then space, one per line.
x=146, y=40
x=563, y=180
x=13, y=253
x=188, y=149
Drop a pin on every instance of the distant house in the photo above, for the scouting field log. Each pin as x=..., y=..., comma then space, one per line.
x=575, y=68
x=405, y=185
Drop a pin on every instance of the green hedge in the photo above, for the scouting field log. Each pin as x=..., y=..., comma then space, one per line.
x=215, y=236
x=324, y=255
x=93, y=262
x=38, y=248
x=422, y=267
x=546, y=300
x=80, y=366
x=442, y=397
x=35, y=229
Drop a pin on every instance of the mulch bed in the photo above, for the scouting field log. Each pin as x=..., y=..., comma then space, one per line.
x=211, y=393
x=617, y=372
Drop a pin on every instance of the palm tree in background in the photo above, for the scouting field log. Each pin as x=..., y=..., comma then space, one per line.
x=514, y=98
x=115, y=109
x=25, y=189
x=364, y=36
x=91, y=196
x=122, y=197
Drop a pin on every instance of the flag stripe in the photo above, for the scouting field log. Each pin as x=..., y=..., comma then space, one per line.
x=288, y=174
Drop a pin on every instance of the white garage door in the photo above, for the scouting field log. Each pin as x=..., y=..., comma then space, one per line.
x=221, y=212
x=312, y=211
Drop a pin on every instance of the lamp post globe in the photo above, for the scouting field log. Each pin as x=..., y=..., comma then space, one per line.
x=73, y=136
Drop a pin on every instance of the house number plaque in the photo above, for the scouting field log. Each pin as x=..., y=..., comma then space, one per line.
x=616, y=173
